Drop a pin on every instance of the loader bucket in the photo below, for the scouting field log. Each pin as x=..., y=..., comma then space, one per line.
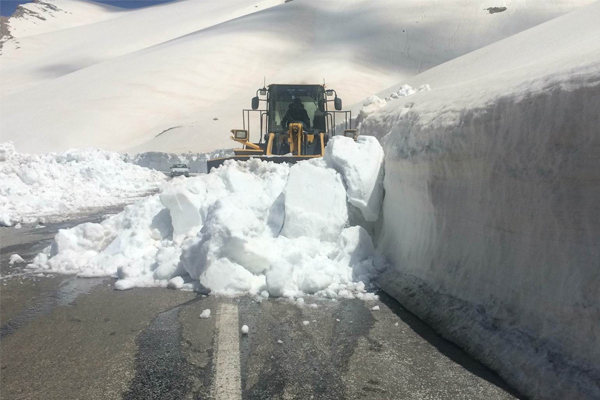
x=216, y=162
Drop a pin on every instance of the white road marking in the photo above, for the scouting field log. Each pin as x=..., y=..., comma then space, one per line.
x=228, y=383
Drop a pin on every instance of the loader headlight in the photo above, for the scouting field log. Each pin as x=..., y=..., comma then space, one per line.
x=353, y=133
x=240, y=134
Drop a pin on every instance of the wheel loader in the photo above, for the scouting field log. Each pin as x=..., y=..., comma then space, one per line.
x=295, y=124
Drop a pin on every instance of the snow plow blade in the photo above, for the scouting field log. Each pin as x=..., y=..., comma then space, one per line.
x=216, y=162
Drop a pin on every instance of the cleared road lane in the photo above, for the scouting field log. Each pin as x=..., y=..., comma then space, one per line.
x=72, y=338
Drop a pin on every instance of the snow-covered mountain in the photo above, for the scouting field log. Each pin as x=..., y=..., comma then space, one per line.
x=81, y=74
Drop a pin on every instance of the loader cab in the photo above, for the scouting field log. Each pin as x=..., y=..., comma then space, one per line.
x=296, y=103
x=294, y=122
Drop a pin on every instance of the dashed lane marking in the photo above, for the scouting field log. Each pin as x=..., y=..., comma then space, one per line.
x=228, y=384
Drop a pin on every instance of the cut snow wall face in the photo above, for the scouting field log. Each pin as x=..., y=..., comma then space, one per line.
x=493, y=225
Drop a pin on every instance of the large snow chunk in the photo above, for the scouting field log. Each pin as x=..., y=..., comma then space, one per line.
x=228, y=278
x=315, y=202
x=188, y=202
x=370, y=105
x=360, y=163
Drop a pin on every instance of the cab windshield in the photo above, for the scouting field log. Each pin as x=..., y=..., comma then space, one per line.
x=296, y=104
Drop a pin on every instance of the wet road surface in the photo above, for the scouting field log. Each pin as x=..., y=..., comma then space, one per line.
x=73, y=338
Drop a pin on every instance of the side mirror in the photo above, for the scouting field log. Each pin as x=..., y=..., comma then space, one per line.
x=240, y=134
x=255, y=103
x=337, y=102
x=322, y=105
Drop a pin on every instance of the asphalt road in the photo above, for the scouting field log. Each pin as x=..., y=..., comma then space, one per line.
x=71, y=338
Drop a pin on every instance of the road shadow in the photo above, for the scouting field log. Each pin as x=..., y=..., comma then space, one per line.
x=445, y=347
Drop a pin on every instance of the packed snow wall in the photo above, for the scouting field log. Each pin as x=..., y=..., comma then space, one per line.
x=491, y=213
x=493, y=225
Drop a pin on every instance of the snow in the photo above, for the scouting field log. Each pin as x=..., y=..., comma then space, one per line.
x=490, y=216
x=206, y=314
x=161, y=161
x=71, y=80
x=34, y=186
x=245, y=330
x=359, y=163
x=176, y=283
x=305, y=323
x=375, y=308
x=15, y=258
x=247, y=227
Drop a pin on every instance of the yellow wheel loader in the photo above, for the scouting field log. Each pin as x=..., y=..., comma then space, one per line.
x=295, y=124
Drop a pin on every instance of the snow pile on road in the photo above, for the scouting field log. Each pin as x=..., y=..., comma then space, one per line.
x=247, y=227
x=34, y=186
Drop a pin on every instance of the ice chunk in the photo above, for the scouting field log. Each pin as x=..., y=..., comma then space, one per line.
x=375, y=308
x=305, y=323
x=176, y=283
x=245, y=330
x=315, y=203
x=225, y=277
x=15, y=258
x=205, y=314
x=370, y=105
x=360, y=163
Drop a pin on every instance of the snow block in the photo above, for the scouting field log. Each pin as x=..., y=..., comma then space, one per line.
x=360, y=163
x=315, y=203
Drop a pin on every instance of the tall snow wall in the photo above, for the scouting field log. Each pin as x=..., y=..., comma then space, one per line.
x=494, y=227
x=492, y=209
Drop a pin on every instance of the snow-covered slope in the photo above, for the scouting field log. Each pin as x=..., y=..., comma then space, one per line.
x=40, y=17
x=492, y=211
x=118, y=83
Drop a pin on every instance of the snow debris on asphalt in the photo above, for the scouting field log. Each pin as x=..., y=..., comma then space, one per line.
x=375, y=308
x=37, y=185
x=205, y=314
x=247, y=227
x=176, y=283
x=245, y=330
x=15, y=258
x=305, y=323
x=280, y=341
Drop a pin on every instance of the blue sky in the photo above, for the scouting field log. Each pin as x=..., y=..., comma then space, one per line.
x=7, y=7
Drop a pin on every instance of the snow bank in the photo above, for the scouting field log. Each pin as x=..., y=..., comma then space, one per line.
x=247, y=227
x=34, y=186
x=492, y=212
